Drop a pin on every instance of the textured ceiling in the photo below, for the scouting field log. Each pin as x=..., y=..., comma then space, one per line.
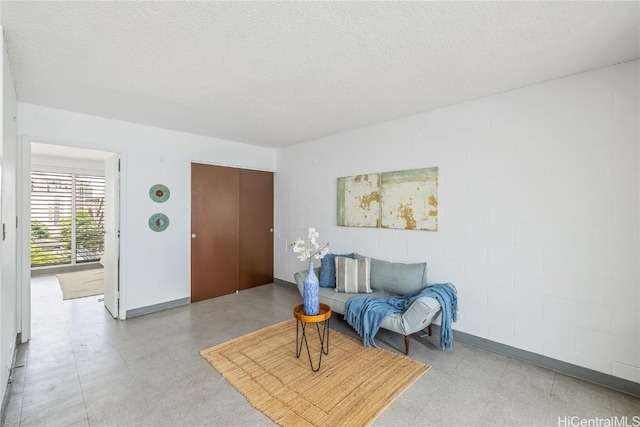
x=278, y=73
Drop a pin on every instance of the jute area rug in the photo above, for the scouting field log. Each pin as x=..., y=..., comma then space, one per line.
x=81, y=283
x=353, y=387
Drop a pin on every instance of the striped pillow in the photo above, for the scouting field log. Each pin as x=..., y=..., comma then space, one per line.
x=352, y=275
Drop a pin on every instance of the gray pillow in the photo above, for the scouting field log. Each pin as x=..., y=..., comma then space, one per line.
x=328, y=269
x=352, y=275
x=398, y=278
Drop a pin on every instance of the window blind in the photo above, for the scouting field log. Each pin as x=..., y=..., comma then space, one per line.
x=89, y=214
x=67, y=218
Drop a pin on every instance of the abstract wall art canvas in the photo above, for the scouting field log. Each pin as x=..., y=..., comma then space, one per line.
x=359, y=201
x=409, y=199
x=405, y=200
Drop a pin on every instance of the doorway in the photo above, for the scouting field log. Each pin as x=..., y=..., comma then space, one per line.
x=73, y=200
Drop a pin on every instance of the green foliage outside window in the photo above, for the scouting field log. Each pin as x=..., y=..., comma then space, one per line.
x=89, y=236
x=40, y=257
x=39, y=230
x=89, y=232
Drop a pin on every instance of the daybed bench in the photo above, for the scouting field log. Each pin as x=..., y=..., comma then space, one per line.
x=386, y=279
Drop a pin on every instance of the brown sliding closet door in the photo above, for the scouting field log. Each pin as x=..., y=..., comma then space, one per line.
x=256, y=228
x=231, y=226
x=215, y=219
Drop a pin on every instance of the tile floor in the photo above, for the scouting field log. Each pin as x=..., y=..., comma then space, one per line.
x=83, y=368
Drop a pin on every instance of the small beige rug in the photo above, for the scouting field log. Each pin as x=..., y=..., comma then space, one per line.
x=80, y=284
x=353, y=387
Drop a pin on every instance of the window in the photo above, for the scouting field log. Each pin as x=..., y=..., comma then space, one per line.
x=67, y=218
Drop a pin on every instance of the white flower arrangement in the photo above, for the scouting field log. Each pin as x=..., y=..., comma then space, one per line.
x=312, y=250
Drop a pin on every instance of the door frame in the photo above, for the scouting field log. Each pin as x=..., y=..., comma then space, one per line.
x=111, y=262
x=23, y=294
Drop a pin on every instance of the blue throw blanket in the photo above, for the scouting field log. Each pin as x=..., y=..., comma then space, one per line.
x=366, y=313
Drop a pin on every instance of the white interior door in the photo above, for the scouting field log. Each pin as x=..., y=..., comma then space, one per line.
x=111, y=256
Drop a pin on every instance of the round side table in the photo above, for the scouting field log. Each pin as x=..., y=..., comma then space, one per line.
x=302, y=320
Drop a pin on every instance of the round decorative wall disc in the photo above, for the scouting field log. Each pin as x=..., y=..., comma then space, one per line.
x=158, y=222
x=159, y=193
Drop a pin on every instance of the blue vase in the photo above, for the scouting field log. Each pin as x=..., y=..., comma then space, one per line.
x=311, y=291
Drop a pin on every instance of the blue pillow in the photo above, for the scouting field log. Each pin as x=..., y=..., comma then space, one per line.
x=328, y=270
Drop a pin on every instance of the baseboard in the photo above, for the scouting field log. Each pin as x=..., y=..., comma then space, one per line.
x=586, y=374
x=9, y=389
x=158, y=307
x=605, y=380
x=282, y=282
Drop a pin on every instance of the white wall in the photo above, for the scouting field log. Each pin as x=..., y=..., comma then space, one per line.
x=155, y=266
x=538, y=212
x=8, y=281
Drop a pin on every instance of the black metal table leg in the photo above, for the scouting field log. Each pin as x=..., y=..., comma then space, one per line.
x=322, y=336
x=302, y=321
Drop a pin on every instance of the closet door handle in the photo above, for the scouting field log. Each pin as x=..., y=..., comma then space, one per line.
x=193, y=236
